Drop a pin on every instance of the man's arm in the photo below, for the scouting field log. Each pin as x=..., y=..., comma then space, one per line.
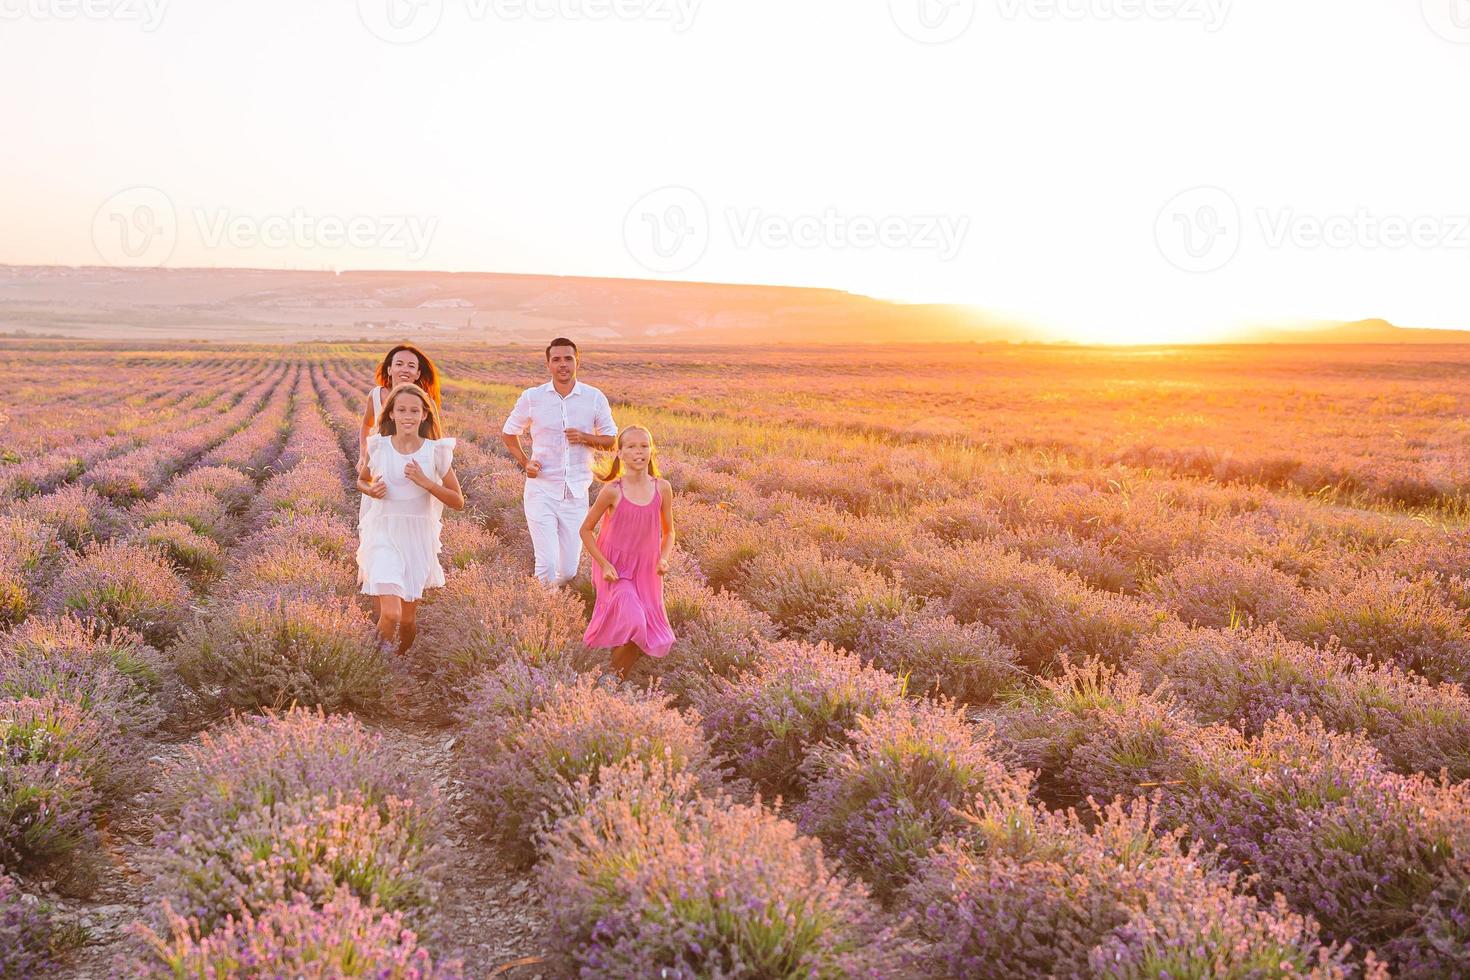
x=603, y=425
x=513, y=443
x=510, y=433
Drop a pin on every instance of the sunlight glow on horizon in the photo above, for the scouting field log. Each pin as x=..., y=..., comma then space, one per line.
x=1104, y=180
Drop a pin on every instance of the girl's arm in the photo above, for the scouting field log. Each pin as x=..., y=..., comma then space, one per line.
x=606, y=497
x=448, y=493
x=666, y=513
x=365, y=482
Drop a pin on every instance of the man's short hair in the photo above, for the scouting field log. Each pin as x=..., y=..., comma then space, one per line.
x=561, y=342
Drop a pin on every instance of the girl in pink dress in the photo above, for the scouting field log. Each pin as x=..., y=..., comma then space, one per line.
x=631, y=554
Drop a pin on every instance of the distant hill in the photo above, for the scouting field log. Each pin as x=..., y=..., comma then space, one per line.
x=275, y=306
x=1356, y=332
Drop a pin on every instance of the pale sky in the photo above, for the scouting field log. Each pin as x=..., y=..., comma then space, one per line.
x=1112, y=169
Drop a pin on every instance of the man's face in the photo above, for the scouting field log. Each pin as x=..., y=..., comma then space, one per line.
x=562, y=363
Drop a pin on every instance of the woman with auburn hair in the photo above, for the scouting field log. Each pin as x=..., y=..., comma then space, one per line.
x=407, y=479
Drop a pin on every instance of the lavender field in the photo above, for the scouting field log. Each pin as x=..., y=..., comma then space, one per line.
x=993, y=661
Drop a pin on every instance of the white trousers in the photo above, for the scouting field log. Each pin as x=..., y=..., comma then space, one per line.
x=555, y=524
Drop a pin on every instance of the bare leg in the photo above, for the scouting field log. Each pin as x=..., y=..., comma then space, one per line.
x=624, y=657
x=390, y=614
x=408, y=627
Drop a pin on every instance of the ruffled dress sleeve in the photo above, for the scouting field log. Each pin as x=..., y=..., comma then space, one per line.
x=369, y=507
x=443, y=458
x=369, y=510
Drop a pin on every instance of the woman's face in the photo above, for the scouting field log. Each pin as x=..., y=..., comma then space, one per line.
x=636, y=450
x=404, y=368
x=408, y=414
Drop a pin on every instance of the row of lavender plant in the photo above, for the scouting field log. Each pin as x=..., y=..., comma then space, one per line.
x=77, y=703
x=75, y=551
x=858, y=503
x=142, y=472
x=85, y=686
x=1412, y=705
x=1381, y=858
x=653, y=861
x=533, y=728
x=807, y=628
x=1178, y=416
x=107, y=431
x=201, y=513
x=965, y=634
x=282, y=626
x=292, y=841
x=292, y=844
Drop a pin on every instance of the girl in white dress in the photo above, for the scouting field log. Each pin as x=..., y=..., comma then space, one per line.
x=404, y=364
x=407, y=476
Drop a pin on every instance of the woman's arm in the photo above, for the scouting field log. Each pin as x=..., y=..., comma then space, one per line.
x=666, y=514
x=605, y=499
x=366, y=428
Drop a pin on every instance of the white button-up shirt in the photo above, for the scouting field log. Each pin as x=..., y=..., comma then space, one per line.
x=565, y=469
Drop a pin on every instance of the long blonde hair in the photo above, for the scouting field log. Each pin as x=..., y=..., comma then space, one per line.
x=613, y=468
x=429, y=428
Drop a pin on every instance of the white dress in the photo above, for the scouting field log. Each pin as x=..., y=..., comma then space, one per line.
x=377, y=400
x=398, y=536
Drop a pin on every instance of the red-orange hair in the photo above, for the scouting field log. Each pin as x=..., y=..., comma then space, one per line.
x=428, y=374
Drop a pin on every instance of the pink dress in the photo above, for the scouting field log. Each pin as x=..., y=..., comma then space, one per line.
x=632, y=608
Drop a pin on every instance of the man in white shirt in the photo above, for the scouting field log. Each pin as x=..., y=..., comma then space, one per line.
x=567, y=420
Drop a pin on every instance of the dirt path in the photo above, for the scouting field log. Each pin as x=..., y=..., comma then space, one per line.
x=488, y=914
x=115, y=888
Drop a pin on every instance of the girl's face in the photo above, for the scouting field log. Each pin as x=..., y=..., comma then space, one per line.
x=636, y=450
x=408, y=414
x=404, y=368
